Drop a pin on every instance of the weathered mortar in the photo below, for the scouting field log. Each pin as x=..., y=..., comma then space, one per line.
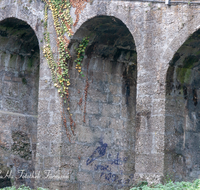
x=182, y=114
x=158, y=31
x=110, y=67
x=19, y=64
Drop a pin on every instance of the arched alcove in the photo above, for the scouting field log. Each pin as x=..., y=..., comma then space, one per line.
x=103, y=105
x=19, y=77
x=182, y=133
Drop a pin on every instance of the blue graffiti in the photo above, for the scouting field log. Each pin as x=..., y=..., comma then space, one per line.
x=115, y=178
x=117, y=161
x=110, y=177
x=102, y=168
x=126, y=181
x=99, y=152
x=131, y=176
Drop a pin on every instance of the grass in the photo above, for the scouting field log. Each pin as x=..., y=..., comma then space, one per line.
x=141, y=186
x=170, y=186
x=22, y=187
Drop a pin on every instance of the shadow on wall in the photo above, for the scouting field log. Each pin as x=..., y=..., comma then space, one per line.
x=19, y=76
x=182, y=134
x=103, y=106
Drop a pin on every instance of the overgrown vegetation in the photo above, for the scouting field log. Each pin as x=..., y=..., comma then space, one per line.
x=22, y=187
x=169, y=186
x=59, y=68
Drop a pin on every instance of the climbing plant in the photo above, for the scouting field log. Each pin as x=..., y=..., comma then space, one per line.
x=59, y=69
x=80, y=54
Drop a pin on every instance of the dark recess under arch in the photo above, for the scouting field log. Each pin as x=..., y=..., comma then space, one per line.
x=182, y=133
x=19, y=80
x=110, y=75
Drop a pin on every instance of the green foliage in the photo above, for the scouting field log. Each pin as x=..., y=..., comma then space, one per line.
x=80, y=54
x=62, y=23
x=170, y=186
x=22, y=187
x=59, y=68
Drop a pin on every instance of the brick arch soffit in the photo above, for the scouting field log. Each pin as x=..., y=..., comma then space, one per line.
x=80, y=24
x=168, y=54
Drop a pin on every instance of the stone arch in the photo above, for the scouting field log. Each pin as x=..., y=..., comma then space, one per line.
x=105, y=133
x=19, y=71
x=182, y=133
x=32, y=12
x=119, y=10
x=172, y=48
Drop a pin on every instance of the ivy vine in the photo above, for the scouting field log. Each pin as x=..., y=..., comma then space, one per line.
x=59, y=69
x=80, y=54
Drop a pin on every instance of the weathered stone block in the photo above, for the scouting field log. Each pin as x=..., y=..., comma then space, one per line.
x=156, y=124
x=89, y=167
x=107, y=187
x=99, y=121
x=116, y=123
x=144, y=143
x=88, y=186
x=12, y=105
x=97, y=95
x=43, y=106
x=77, y=151
x=102, y=178
x=56, y=118
x=46, y=93
x=149, y=163
x=7, y=78
x=92, y=108
x=111, y=110
x=44, y=148
x=145, y=88
x=85, y=177
x=43, y=119
x=115, y=89
x=67, y=185
x=158, y=143
x=158, y=107
x=115, y=78
x=108, y=136
x=84, y=134
x=143, y=103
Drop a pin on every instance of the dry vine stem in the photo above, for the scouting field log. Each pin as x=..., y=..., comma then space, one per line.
x=86, y=92
x=79, y=5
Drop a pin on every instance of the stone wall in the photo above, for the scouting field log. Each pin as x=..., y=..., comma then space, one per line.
x=102, y=150
x=19, y=63
x=139, y=114
x=182, y=112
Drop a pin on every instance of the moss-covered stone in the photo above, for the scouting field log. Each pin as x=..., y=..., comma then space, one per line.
x=3, y=56
x=189, y=61
x=29, y=63
x=183, y=75
x=12, y=61
x=21, y=145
